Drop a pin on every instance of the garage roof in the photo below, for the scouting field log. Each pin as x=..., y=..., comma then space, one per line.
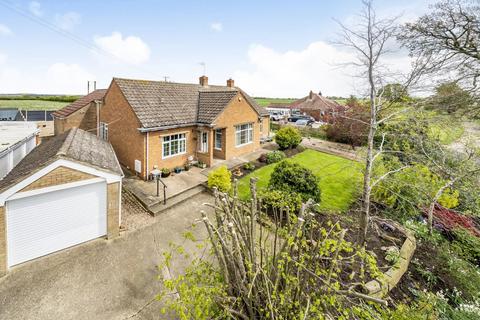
x=13, y=133
x=75, y=145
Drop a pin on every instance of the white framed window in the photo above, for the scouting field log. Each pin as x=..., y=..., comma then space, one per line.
x=174, y=144
x=261, y=126
x=203, y=146
x=243, y=134
x=218, y=139
x=104, y=130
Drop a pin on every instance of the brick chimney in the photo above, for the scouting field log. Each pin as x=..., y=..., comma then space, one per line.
x=203, y=81
x=310, y=95
x=230, y=83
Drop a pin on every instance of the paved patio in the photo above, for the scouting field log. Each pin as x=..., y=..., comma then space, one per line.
x=180, y=187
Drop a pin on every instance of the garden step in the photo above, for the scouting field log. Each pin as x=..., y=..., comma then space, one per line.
x=176, y=199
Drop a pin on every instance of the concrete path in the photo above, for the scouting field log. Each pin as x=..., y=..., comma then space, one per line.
x=102, y=279
x=470, y=137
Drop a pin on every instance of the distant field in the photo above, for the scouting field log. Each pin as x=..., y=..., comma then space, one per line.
x=263, y=102
x=32, y=104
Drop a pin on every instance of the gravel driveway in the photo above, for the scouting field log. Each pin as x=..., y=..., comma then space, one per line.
x=102, y=279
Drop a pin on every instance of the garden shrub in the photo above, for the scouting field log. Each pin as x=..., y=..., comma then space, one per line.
x=262, y=158
x=249, y=166
x=397, y=192
x=274, y=156
x=288, y=137
x=220, y=178
x=466, y=245
x=295, y=178
x=277, y=199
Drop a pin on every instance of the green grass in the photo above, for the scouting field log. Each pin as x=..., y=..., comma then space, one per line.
x=264, y=102
x=32, y=104
x=340, y=179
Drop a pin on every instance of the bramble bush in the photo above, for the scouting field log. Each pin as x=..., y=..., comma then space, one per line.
x=292, y=177
x=288, y=137
x=220, y=178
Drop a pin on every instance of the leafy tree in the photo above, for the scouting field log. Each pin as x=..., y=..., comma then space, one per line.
x=450, y=97
x=411, y=190
x=288, y=137
x=395, y=92
x=294, y=178
x=447, y=40
x=350, y=128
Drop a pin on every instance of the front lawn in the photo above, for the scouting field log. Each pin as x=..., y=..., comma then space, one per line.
x=340, y=178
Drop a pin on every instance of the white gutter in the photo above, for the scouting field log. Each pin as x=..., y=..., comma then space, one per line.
x=175, y=126
x=146, y=161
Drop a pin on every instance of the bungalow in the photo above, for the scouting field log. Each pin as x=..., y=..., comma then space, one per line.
x=164, y=124
x=318, y=107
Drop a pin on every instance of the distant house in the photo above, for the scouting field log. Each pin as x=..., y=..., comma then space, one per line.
x=164, y=124
x=64, y=192
x=82, y=113
x=17, y=139
x=317, y=106
x=10, y=114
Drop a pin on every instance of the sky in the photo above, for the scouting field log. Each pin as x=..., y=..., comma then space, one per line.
x=270, y=48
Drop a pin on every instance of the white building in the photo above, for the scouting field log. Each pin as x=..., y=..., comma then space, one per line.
x=17, y=139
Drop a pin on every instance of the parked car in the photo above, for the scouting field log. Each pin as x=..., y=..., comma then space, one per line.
x=295, y=118
x=276, y=116
x=302, y=123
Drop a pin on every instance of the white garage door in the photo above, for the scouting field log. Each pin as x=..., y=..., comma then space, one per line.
x=41, y=224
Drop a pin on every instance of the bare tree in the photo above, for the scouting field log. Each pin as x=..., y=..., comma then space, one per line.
x=371, y=40
x=448, y=38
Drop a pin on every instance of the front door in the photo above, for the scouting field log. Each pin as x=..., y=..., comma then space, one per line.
x=204, y=141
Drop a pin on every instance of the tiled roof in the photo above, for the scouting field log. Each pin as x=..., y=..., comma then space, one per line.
x=76, y=145
x=163, y=104
x=314, y=101
x=212, y=103
x=80, y=103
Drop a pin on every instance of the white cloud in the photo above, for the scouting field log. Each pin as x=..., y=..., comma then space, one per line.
x=4, y=30
x=66, y=78
x=129, y=49
x=3, y=58
x=35, y=8
x=318, y=67
x=58, y=78
x=216, y=26
x=68, y=20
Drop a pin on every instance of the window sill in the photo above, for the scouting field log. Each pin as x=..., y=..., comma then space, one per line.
x=242, y=145
x=173, y=155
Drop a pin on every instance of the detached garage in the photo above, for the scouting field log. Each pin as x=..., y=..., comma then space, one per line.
x=65, y=192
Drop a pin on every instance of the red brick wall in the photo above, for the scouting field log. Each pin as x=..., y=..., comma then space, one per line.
x=123, y=134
